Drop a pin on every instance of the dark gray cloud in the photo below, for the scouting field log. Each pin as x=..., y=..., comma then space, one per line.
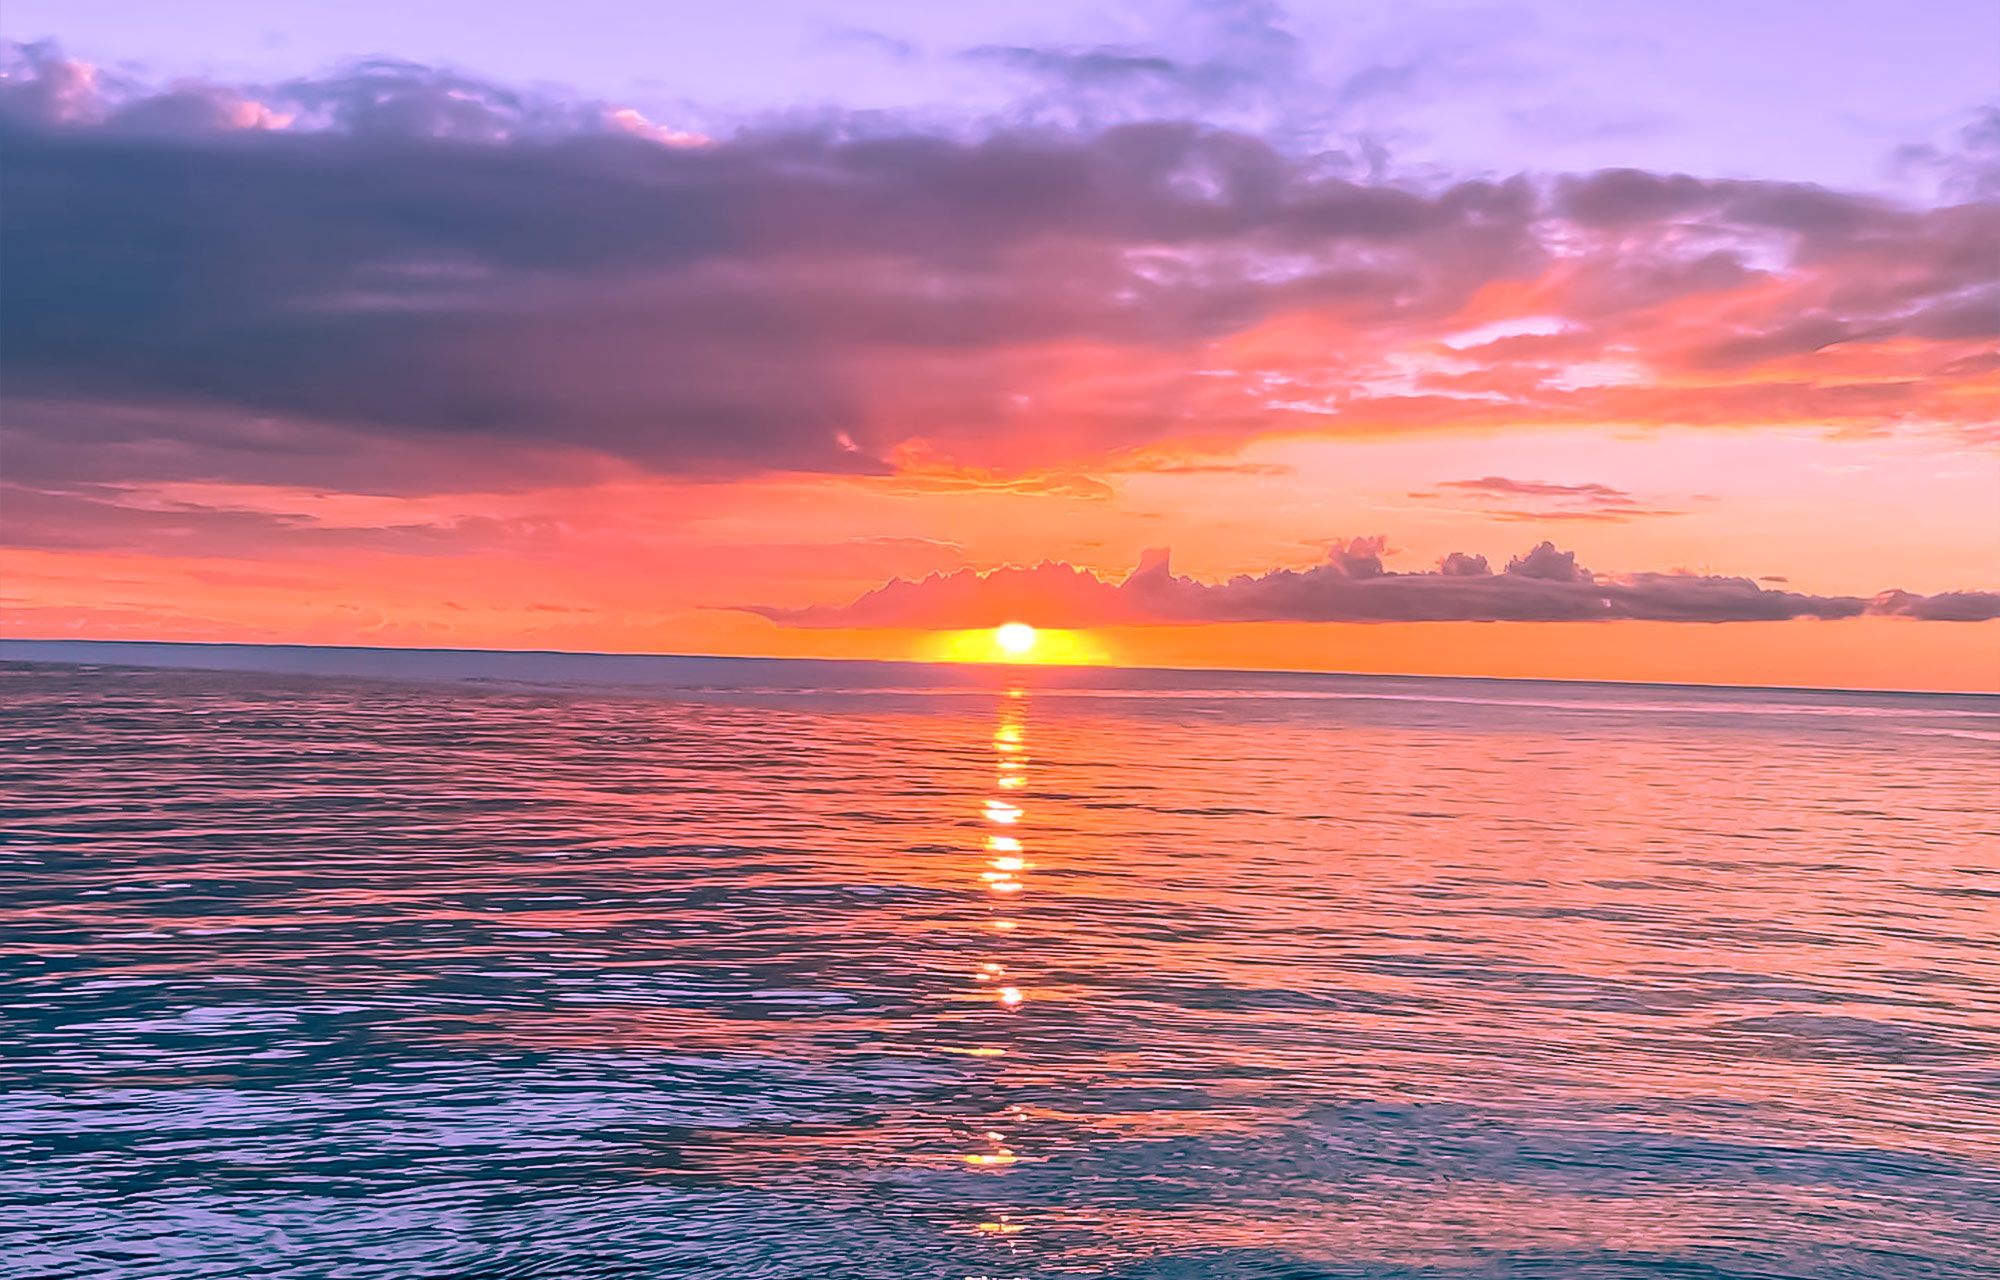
x=1946, y=606
x=421, y=280
x=1968, y=168
x=452, y=264
x=1235, y=57
x=1543, y=584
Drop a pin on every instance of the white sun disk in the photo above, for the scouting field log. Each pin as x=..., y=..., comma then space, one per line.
x=1015, y=638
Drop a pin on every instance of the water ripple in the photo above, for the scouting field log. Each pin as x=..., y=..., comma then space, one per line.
x=356, y=979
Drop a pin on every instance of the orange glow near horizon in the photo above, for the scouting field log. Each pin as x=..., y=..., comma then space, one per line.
x=620, y=577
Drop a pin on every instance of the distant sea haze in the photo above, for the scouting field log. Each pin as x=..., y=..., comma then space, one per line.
x=682, y=673
x=434, y=965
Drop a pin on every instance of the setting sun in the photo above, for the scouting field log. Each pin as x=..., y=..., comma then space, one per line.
x=1016, y=638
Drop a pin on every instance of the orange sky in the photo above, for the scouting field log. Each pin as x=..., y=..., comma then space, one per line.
x=645, y=566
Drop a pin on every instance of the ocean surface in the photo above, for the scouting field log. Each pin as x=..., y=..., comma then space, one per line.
x=399, y=966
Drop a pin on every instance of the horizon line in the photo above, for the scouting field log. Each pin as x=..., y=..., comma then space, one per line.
x=1015, y=666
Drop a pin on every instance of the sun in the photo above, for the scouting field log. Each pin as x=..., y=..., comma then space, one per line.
x=1015, y=638
x=1015, y=644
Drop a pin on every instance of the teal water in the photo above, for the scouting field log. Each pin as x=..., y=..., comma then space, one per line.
x=378, y=965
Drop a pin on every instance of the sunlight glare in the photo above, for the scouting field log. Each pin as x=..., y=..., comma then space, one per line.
x=1015, y=638
x=1015, y=644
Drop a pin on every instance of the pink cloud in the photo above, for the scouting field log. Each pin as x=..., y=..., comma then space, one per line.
x=1549, y=501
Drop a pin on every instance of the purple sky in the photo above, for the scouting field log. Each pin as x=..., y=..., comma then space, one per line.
x=1822, y=91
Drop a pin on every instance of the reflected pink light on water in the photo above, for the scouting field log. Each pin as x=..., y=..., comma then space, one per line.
x=1416, y=965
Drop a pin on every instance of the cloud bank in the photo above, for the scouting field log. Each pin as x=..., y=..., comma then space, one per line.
x=417, y=281
x=1544, y=584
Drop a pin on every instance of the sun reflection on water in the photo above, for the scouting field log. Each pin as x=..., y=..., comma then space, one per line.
x=1003, y=862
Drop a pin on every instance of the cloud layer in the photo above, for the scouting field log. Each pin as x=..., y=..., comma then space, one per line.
x=1544, y=584
x=416, y=281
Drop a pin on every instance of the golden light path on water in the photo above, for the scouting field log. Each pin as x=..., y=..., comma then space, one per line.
x=1002, y=862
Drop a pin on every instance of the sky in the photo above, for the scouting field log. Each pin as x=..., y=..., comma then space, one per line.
x=1588, y=340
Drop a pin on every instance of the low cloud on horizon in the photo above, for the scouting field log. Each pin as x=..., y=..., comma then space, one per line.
x=1543, y=584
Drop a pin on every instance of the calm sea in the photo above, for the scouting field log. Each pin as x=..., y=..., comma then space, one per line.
x=401, y=966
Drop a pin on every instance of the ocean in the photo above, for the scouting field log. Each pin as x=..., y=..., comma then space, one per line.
x=394, y=965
